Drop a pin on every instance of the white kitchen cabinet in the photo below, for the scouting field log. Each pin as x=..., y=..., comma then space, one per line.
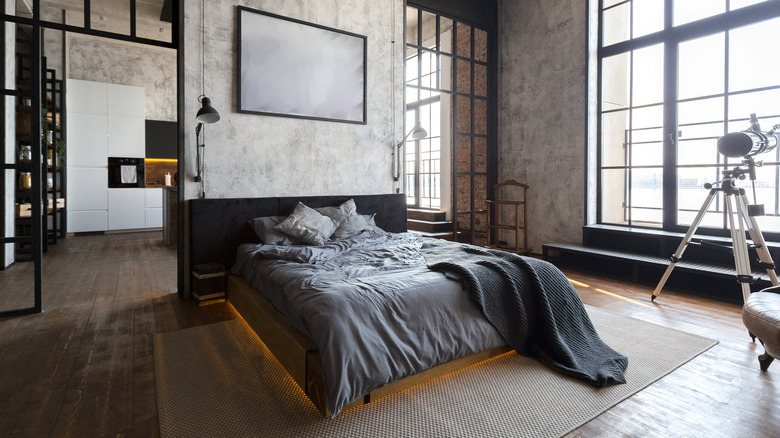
x=126, y=100
x=129, y=147
x=87, y=141
x=87, y=189
x=154, y=198
x=86, y=97
x=154, y=218
x=86, y=221
x=126, y=210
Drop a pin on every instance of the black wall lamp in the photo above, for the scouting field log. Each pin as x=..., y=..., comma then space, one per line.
x=206, y=114
x=417, y=133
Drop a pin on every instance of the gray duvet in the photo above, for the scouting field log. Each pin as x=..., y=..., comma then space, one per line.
x=375, y=311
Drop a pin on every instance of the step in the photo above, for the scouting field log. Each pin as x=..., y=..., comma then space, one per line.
x=445, y=236
x=709, y=280
x=426, y=215
x=429, y=226
x=663, y=262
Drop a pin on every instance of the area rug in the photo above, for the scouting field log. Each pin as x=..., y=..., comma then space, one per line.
x=220, y=380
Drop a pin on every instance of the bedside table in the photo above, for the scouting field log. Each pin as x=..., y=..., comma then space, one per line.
x=209, y=283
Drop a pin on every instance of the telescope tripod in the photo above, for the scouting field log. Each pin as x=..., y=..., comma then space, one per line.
x=738, y=218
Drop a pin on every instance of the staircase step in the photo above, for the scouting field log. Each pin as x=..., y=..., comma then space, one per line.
x=701, y=279
x=445, y=236
x=426, y=215
x=429, y=226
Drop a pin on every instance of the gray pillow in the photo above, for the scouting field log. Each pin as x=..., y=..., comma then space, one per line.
x=338, y=214
x=307, y=225
x=264, y=228
x=351, y=226
x=372, y=223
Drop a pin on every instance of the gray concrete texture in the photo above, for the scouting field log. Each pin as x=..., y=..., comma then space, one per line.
x=542, y=111
x=249, y=155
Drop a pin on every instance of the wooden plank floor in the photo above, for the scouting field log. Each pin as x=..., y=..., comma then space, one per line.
x=84, y=367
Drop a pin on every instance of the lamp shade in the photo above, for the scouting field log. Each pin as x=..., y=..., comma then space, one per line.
x=418, y=132
x=207, y=113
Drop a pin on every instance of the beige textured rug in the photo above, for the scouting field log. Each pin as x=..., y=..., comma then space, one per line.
x=220, y=380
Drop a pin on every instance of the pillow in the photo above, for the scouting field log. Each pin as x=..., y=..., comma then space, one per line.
x=338, y=214
x=307, y=225
x=370, y=219
x=264, y=228
x=352, y=226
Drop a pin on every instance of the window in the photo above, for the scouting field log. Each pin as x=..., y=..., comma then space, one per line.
x=674, y=76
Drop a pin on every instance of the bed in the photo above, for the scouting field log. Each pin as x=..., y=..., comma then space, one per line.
x=357, y=318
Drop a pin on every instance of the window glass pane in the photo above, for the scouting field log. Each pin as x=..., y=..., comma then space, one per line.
x=480, y=116
x=736, y=4
x=698, y=111
x=464, y=76
x=613, y=196
x=648, y=75
x=702, y=66
x=463, y=153
x=463, y=40
x=765, y=104
x=445, y=77
x=111, y=16
x=648, y=17
x=616, y=24
x=428, y=30
x=647, y=126
x=614, y=137
x=411, y=66
x=445, y=35
x=686, y=11
x=480, y=154
x=615, y=91
x=745, y=43
x=463, y=114
x=412, y=33
x=647, y=153
x=691, y=195
x=480, y=80
x=148, y=23
x=647, y=197
x=697, y=152
x=480, y=45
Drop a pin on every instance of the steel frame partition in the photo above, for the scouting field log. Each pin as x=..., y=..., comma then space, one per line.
x=38, y=237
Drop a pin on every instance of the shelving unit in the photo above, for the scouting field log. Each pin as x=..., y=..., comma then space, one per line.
x=52, y=164
x=520, y=214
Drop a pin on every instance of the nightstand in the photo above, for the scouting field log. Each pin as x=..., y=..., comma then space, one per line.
x=209, y=283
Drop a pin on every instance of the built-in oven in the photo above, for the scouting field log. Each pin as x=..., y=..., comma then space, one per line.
x=125, y=172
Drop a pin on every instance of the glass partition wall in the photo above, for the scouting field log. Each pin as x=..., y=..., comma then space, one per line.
x=447, y=77
x=34, y=123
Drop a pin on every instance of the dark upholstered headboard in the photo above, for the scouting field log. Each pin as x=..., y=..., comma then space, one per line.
x=219, y=226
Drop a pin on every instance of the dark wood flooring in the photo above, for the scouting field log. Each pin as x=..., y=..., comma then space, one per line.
x=84, y=367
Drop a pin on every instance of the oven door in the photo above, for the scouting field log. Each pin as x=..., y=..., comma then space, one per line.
x=125, y=173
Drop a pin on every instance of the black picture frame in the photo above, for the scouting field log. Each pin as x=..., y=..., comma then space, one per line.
x=291, y=68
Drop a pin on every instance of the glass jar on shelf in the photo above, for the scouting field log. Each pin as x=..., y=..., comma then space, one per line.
x=25, y=181
x=25, y=153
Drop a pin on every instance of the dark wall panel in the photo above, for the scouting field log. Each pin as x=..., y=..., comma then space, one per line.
x=161, y=139
x=482, y=12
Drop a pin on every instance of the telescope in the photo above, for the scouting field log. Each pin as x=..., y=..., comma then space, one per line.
x=749, y=142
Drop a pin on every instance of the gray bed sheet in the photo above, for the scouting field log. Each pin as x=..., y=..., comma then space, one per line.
x=375, y=311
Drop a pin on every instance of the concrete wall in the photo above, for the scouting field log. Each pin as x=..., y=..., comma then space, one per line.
x=543, y=62
x=118, y=62
x=250, y=155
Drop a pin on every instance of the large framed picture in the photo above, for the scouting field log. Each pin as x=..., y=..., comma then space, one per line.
x=291, y=68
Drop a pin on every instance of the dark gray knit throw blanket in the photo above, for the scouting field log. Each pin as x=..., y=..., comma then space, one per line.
x=534, y=308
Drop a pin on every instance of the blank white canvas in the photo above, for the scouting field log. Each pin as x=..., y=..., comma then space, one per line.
x=295, y=69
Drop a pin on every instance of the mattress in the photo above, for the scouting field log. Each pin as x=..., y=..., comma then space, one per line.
x=375, y=311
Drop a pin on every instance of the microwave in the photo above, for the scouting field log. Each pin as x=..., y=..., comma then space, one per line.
x=125, y=173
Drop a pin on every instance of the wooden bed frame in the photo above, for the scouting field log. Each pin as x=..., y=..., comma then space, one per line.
x=218, y=226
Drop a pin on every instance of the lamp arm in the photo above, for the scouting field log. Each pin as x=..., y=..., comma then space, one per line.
x=397, y=157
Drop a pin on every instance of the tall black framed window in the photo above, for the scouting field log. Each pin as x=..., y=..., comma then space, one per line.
x=674, y=75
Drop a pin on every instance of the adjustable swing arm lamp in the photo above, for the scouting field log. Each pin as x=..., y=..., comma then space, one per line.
x=206, y=115
x=417, y=133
